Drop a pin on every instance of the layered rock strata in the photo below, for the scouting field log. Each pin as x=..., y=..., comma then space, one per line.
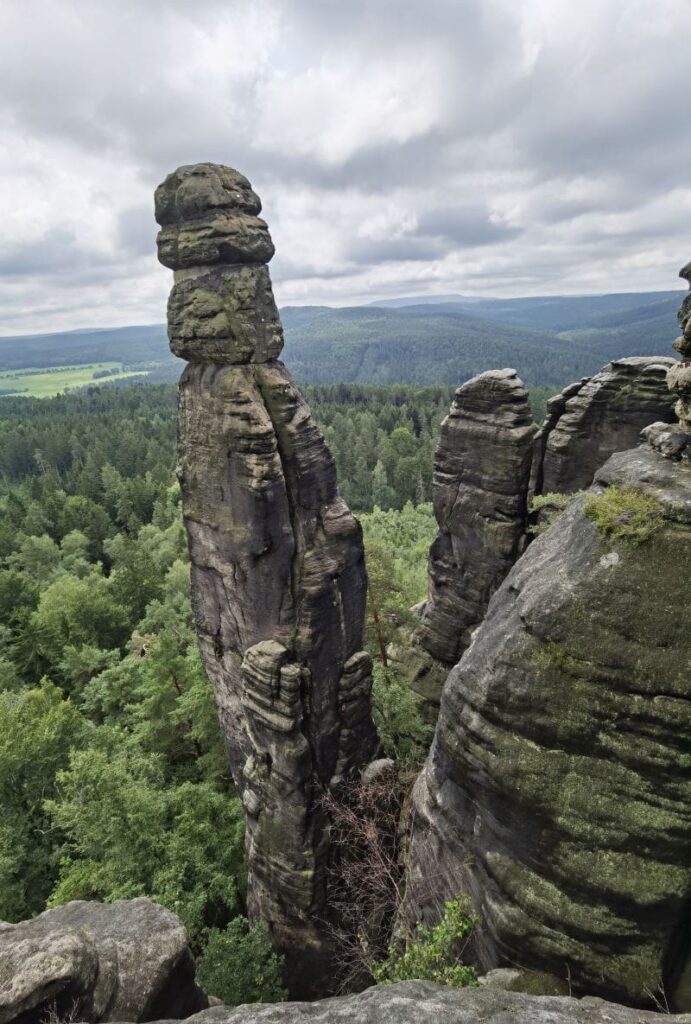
x=278, y=577
x=596, y=417
x=558, y=788
x=126, y=961
x=480, y=485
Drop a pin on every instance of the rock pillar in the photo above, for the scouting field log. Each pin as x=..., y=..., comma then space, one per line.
x=278, y=576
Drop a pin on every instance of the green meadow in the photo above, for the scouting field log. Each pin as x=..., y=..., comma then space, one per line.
x=44, y=382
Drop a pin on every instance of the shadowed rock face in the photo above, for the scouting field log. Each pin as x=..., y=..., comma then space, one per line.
x=593, y=419
x=278, y=577
x=558, y=788
x=480, y=485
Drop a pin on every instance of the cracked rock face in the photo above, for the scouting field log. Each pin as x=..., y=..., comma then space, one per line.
x=278, y=577
x=558, y=788
x=480, y=485
x=596, y=417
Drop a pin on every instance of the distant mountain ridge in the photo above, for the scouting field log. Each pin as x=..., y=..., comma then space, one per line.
x=550, y=340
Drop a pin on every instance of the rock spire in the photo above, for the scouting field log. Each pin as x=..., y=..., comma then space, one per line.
x=480, y=486
x=278, y=576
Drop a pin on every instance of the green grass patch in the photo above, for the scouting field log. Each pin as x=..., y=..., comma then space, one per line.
x=624, y=513
x=44, y=382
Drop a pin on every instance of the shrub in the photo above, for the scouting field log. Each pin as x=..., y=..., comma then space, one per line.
x=239, y=966
x=366, y=883
x=624, y=513
x=433, y=954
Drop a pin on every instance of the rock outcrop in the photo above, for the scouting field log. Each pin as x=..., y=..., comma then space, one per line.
x=596, y=417
x=126, y=961
x=278, y=577
x=413, y=1002
x=480, y=485
x=558, y=789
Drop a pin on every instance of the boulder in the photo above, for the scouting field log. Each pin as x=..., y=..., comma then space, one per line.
x=126, y=961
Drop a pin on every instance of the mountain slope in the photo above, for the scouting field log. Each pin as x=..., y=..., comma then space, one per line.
x=550, y=312
x=550, y=341
x=133, y=346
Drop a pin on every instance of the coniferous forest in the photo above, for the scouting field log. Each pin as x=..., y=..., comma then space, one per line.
x=113, y=781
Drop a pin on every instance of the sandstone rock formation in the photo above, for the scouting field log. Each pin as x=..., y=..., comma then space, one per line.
x=558, y=788
x=413, y=1002
x=278, y=577
x=594, y=418
x=480, y=485
x=125, y=961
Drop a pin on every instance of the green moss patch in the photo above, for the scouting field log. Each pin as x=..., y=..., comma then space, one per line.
x=624, y=513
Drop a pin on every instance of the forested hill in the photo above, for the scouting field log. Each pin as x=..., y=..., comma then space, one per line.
x=133, y=346
x=551, y=312
x=550, y=340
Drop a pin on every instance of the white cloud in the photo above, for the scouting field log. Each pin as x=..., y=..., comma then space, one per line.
x=478, y=146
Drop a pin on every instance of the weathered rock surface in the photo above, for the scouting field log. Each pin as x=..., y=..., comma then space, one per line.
x=596, y=417
x=221, y=309
x=278, y=577
x=558, y=788
x=414, y=1002
x=481, y=472
x=126, y=961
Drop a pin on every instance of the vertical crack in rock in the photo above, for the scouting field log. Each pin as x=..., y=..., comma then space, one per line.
x=557, y=792
x=278, y=576
x=480, y=486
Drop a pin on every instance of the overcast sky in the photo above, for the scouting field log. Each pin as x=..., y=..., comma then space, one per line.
x=505, y=147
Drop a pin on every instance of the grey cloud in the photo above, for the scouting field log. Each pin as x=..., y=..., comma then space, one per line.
x=465, y=226
x=57, y=252
x=136, y=230
x=407, y=248
x=558, y=130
